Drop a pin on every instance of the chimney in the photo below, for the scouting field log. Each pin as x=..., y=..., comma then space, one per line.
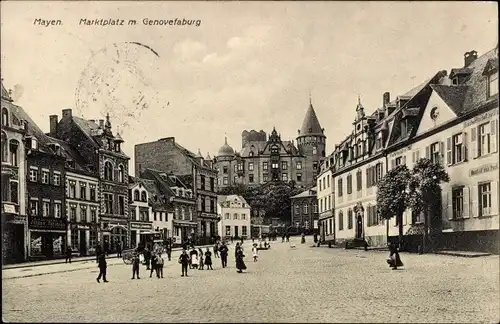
x=469, y=57
x=101, y=123
x=67, y=113
x=386, y=99
x=53, y=125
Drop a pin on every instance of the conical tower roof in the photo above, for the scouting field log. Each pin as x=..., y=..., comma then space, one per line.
x=311, y=125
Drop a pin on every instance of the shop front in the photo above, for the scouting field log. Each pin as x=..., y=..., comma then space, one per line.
x=183, y=231
x=14, y=247
x=136, y=229
x=83, y=238
x=114, y=233
x=47, y=237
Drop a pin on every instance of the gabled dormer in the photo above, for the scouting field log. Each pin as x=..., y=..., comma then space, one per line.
x=491, y=73
x=56, y=148
x=31, y=143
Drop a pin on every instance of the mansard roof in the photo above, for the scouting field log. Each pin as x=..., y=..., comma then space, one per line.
x=311, y=125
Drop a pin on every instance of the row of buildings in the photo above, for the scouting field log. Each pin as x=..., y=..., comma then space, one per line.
x=451, y=118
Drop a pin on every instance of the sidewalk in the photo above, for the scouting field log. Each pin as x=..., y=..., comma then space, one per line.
x=73, y=260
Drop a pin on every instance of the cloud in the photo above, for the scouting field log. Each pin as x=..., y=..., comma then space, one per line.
x=188, y=50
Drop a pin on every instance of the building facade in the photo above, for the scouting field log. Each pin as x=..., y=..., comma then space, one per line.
x=102, y=154
x=305, y=211
x=167, y=156
x=234, y=214
x=451, y=119
x=140, y=210
x=14, y=220
x=326, y=200
x=264, y=158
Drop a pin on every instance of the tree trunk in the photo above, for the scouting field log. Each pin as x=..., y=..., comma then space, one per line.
x=400, y=230
x=426, y=230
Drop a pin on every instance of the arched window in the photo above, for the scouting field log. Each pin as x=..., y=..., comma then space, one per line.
x=4, y=147
x=14, y=145
x=251, y=153
x=121, y=173
x=5, y=117
x=108, y=171
x=136, y=195
x=143, y=196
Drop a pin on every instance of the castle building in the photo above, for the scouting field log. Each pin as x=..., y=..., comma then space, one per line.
x=449, y=119
x=263, y=159
x=304, y=213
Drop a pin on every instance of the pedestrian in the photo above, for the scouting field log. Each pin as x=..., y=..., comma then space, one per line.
x=394, y=260
x=184, y=261
x=208, y=259
x=240, y=264
x=231, y=239
x=154, y=264
x=216, y=250
x=98, y=251
x=147, y=257
x=119, y=249
x=102, y=268
x=303, y=240
x=169, y=250
x=255, y=252
x=201, y=259
x=135, y=265
x=159, y=266
x=223, y=250
x=69, y=254
x=194, y=258
x=288, y=237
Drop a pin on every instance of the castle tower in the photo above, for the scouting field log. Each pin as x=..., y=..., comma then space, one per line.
x=224, y=161
x=311, y=142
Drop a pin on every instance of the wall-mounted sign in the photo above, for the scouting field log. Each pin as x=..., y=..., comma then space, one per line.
x=482, y=117
x=9, y=208
x=46, y=223
x=141, y=226
x=400, y=151
x=483, y=169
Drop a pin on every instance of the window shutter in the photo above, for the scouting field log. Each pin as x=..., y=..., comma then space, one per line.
x=473, y=143
x=449, y=155
x=404, y=159
x=368, y=177
x=464, y=146
x=413, y=156
x=494, y=198
x=428, y=152
x=474, y=205
x=493, y=136
x=417, y=155
x=449, y=207
x=393, y=163
x=441, y=152
x=466, y=206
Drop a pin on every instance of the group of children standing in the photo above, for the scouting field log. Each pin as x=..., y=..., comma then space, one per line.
x=157, y=263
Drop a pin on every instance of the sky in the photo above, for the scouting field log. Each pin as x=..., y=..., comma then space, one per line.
x=247, y=65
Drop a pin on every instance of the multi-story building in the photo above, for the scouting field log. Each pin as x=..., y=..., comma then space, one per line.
x=14, y=221
x=263, y=158
x=165, y=155
x=103, y=156
x=182, y=202
x=452, y=120
x=141, y=209
x=326, y=200
x=304, y=211
x=46, y=194
x=234, y=214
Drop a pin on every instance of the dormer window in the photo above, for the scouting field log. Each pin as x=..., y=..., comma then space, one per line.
x=34, y=143
x=70, y=164
x=378, y=142
x=493, y=84
x=117, y=147
x=360, y=149
x=56, y=148
x=5, y=117
x=143, y=196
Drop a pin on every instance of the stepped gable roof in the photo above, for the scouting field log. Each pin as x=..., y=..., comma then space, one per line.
x=453, y=96
x=475, y=96
x=311, y=125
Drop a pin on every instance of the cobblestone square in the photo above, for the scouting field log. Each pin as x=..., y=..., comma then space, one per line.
x=302, y=284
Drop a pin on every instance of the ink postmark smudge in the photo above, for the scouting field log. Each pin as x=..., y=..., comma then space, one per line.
x=118, y=80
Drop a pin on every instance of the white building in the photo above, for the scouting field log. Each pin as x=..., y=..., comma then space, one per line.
x=326, y=200
x=234, y=213
x=140, y=211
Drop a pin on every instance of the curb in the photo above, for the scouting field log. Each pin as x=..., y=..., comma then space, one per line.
x=462, y=255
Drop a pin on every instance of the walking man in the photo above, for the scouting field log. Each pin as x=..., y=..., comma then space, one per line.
x=223, y=250
x=98, y=251
x=216, y=250
x=102, y=268
x=184, y=261
x=69, y=254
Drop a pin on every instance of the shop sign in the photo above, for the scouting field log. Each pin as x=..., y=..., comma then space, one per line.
x=481, y=118
x=141, y=226
x=9, y=208
x=46, y=223
x=483, y=169
x=80, y=226
x=315, y=224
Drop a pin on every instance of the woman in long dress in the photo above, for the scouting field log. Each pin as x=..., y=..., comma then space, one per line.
x=240, y=264
x=194, y=259
x=208, y=259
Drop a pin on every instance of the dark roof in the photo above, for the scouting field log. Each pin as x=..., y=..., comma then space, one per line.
x=33, y=129
x=5, y=93
x=310, y=125
x=453, y=96
x=70, y=153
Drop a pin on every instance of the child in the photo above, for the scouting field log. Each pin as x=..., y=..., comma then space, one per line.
x=159, y=266
x=154, y=263
x=255, y=253
x=135, y=266
x=201, y=265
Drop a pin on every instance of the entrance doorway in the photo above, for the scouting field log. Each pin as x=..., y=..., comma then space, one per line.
x=83, y=243
x=236, y=232
x=118, y=236
x=359, y=226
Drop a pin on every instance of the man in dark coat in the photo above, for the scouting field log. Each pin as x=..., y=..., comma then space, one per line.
x=119, y=249
x=69, y=254
x=147, y=257
x=184, y=261
x=223, y=250
x=135, y=265
x=98, y=251
x=168, y=249
x=102, y=268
